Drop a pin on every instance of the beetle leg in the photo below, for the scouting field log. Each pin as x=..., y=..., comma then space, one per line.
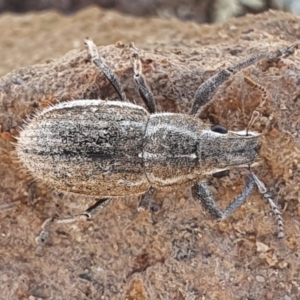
x=44, y=234
x=140, y=81
x=145, y=200
x=146, y=203
x=209, y=87
x=109, y=74
x=201, y=193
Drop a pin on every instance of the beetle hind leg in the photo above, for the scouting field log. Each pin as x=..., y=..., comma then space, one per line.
x=109, y=74
x=87, y=214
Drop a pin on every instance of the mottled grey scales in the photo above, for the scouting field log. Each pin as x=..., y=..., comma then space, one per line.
x=115, y=148
x=89, y=147
x=181, y=149
x=111, y=148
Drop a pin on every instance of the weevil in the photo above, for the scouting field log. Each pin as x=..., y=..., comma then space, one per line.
x=116, y=148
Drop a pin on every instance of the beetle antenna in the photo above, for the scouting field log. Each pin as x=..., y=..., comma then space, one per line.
x=254, y=116
x=256, y=113
x=267, y=198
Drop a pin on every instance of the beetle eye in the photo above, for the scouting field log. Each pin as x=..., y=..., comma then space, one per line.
x=218, y=128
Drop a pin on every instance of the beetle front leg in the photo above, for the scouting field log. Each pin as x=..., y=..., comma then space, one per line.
x=209, y=87
x=44, y=234
x=140, y=81
x=201, y=193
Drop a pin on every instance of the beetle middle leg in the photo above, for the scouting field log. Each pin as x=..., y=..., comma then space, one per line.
x=145, y=200
x=146, y=203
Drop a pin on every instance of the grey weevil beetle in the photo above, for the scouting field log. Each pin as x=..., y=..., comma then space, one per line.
x=116, y=148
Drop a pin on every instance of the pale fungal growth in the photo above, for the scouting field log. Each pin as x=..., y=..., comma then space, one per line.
x=116, y=148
